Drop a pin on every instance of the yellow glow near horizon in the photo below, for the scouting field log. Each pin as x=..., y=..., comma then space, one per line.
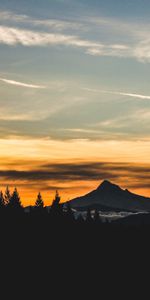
x=44, y=148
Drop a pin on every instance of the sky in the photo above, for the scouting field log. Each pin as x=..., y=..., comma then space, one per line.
x=74, y=96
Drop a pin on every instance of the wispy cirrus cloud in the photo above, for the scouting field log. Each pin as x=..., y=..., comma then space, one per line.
x=57, y=24
x=15, y=36
x=29, y=38
x=131, y=40
x=6, y=15
x=132, y=95
x=22, y=84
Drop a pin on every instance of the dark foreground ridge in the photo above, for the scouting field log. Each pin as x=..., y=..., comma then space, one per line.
x=56, y=242
x=76, y=219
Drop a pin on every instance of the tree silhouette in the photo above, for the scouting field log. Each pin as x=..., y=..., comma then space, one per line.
x=7, y=196
x=89, y=216
x=2, y=204
x=97, y=218
x=15, y=202
x=56, y=201
x=80, y=219
x=39, y=203
x=56, y=208
x=69, y=212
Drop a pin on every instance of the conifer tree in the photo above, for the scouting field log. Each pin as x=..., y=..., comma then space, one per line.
x=56, y=201
x=89, y=216
x=56, y=208
x=97, y=217
x=7, y=196
x=1, y=200
x=57, y=198
x=15, y=202
x=69, y=212
x=80, y=219
x=39, y=203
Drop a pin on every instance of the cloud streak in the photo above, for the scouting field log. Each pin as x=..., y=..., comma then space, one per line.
x=56, y=24
x=136, y=175
x=132, y=95
x=132, y=39
x=22, y=84
x=15, y=36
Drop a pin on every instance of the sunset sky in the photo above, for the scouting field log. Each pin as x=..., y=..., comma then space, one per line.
x=74, y=96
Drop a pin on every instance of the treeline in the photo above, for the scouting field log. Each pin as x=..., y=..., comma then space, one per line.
x=10, y=200
x=59, y=227
x=59, y=216
x=10, y=203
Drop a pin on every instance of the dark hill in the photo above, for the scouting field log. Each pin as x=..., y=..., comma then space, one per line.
x=109, y=196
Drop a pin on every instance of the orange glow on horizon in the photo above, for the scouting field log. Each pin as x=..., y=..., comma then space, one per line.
x=28, y=196
x=35, y=155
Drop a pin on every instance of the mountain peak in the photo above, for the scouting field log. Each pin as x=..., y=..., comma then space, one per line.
x=106, y=184
x=110, y=196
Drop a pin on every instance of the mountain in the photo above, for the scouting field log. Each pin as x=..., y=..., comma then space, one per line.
x=109, y=196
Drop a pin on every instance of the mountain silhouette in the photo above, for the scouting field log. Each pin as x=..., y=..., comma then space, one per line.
x=109, y=196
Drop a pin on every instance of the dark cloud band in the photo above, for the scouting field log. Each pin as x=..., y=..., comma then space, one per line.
x=134, y=176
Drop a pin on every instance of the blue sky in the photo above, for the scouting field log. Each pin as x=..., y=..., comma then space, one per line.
x=73, y=51
x=75, y=74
